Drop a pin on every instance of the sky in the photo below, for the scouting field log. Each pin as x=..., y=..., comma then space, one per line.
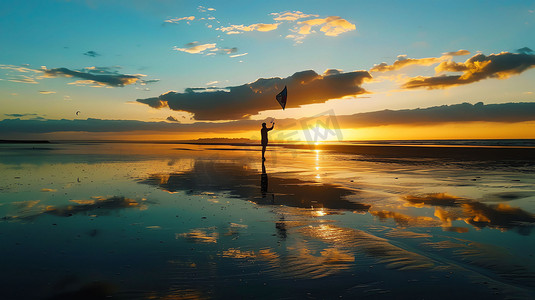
x=355, y=70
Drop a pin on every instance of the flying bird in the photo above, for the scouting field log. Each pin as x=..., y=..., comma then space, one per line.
x=281, y=97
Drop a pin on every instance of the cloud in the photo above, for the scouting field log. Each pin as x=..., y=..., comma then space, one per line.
x=19, y=115
x=240, y=102
x=91, y=54
x=205, y=9
x=115, y=80
x=456, y=53
x=22, y=79
x=237, y=29
x=457, y=113
x=226, y=50
x=18, y=69
x=176, y=20
x=148, y=81
x=291, y=16
x=402, y=61
x=195, y=48
x=29, y=77
x=465, y=112
x=330, y=26
x=238, y=55
x=46, y=92
x=102, y=70
x=172, y=119
x=476, y=68
x=96, y=76
x=99, y=125
x=524, y=50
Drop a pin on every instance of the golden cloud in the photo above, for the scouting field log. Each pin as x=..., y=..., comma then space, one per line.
x=193, y=48
x=332, y=26
x=476, y=68
x=176, y=20
x=405, y=62
x=236, y=29
x=291, y=16
x=402, y=61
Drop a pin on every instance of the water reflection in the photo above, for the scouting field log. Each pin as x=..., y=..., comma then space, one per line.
x=263, y=180
x=195, y=238
x=200, y=235
x=239, y=180
x=98, y=206
x=449, y=208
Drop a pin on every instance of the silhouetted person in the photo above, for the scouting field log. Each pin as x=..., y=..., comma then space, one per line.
x=264, y=133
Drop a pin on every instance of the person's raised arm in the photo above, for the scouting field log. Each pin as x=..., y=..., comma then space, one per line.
x=272, y=125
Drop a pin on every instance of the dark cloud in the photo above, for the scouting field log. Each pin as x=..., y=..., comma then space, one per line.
x=172, y=119
x=465, y=112
x=103, y=70
x=101, y=79
x=91, y=54
x=476, y=68
x=229, y=50
x=98, y=125
x=524, y=50
x=19, y=115
x=149, y=81
x=153, y=102
x=240, y=102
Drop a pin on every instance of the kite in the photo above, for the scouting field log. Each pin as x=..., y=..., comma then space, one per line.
x=281, y=98
x=78, y=112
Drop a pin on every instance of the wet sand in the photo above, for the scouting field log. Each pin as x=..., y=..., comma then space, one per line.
x=149, y=221
x=430, y=151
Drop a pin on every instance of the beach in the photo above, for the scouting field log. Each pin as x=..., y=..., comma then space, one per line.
x=212, y=221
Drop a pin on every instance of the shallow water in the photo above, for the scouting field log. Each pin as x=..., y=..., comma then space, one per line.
x=150, y=221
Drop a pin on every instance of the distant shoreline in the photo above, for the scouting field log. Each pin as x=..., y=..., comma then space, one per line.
x=24, y=142
x=450, y=143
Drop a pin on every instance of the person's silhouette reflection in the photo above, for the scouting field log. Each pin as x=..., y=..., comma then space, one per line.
x=263, y=180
